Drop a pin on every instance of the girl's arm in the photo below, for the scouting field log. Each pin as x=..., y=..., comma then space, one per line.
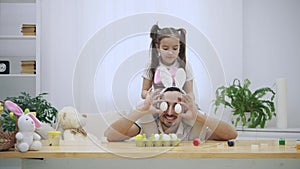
x=147, y=84
x=188, y=88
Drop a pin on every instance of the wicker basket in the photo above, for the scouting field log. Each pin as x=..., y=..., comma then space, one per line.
x=7, y=140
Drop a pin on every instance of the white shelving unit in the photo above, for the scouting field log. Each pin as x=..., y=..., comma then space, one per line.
x=14, y=47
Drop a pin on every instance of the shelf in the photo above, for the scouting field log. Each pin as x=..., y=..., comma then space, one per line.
x=17, y=75
x=15, y=47
x=17, y=1
x=16, y=37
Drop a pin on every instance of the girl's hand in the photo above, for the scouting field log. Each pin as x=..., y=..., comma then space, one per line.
x=191, y=110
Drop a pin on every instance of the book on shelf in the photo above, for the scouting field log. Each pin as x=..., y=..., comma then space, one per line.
x=28, y=66
x=28, y=72
x=28, y=69
x=24, y=30
x=29, y=33
x=25, y=25
x=27, y=62
x=28, y=29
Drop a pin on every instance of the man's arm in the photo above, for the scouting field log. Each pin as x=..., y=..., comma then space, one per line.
x=220, y=129
x=126, y=127
x=123, y=128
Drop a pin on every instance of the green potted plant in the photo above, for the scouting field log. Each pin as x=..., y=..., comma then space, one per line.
x=259, y=104
x=45, y=112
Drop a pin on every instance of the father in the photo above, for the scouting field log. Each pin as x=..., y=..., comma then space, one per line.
x=188, y=124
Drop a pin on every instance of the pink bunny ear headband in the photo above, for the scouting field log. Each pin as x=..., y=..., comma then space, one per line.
x=175, y=77
x=13, y=107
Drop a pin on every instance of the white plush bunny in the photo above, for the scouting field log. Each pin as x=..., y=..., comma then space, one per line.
x=27, y=139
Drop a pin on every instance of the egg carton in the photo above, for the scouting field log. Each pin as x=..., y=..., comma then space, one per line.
x=157, y=143
x=157, y=140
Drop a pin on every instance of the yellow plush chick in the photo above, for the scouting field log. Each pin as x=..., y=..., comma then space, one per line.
x=11, y=115
x=1, y=107
x=26, y=111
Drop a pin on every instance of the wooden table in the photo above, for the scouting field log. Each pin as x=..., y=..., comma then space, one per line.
x=210, y=149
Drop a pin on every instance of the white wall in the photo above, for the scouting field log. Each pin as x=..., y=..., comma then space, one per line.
x=271, y=48
x=66, y=31
x=254, y=39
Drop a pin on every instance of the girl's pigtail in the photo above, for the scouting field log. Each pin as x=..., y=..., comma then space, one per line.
x=154, y=34
x=182, y=51
x=154, y=53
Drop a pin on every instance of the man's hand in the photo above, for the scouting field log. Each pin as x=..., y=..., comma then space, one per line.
x=190, y=108
x=149, y=104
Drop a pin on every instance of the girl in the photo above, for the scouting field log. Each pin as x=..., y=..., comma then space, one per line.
x=168, y=49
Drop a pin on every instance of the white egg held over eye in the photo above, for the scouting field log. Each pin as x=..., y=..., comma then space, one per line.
x=163, y=106
x=178, y=108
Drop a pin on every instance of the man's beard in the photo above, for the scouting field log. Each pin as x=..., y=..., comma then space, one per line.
x=172, y=125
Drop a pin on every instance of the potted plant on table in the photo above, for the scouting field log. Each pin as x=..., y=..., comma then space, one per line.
x=251, y=108
x=45, y=112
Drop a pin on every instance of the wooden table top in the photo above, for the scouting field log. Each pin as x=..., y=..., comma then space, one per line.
x=209, y=149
